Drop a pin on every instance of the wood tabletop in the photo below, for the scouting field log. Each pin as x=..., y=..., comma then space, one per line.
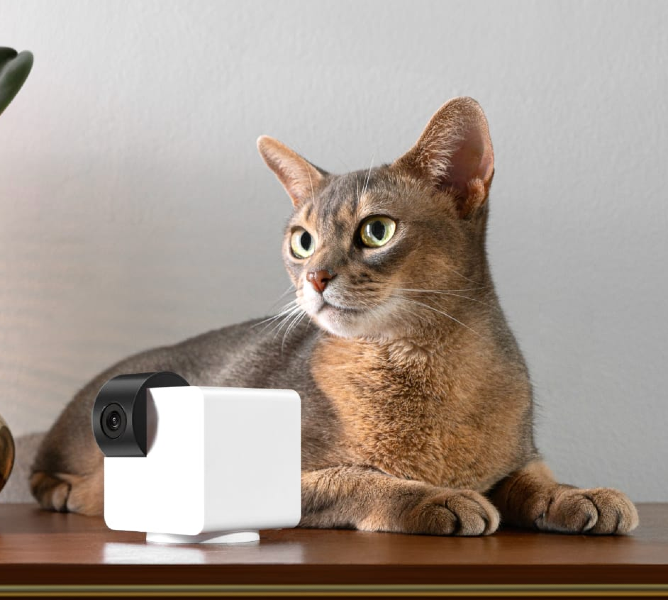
x=43, y=550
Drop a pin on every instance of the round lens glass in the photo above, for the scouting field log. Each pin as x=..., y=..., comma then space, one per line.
x=113, y=421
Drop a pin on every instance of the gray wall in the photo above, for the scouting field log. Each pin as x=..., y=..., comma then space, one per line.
x=134, y=210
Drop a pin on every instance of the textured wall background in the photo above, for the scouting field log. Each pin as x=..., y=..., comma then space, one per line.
x=135, y=211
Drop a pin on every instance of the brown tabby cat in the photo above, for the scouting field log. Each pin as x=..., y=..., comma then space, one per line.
x=417, y=406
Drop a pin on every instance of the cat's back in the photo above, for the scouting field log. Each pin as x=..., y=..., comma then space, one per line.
x=257, y=353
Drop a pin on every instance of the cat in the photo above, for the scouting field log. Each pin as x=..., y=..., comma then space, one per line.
x=416, y=400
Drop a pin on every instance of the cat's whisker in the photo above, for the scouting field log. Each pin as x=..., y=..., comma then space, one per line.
x=456, y=272
x=292, y=302
x=443, y=313
x=284, y=310
x=478, y=286
x=296, y=320
x=288, y=310
x=311, y=182
x=285, y=320
x=278, y=320
x=417, y=315
x=291, y=322
x=285, y=293
x=268, y=320
x=439, y=291
x=274, y=323
x=368, y=176
x=444, y=293
x=291, y=287
x=444, y=266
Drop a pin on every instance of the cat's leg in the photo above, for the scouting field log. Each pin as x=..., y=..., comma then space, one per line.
x=531, y=497
x=367, y=499
x=67, y=492
x=67, y=475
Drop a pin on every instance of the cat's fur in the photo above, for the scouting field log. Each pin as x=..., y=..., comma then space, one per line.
x=417, y=406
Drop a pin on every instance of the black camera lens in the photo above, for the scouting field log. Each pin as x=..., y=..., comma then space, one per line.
x=113, y=421
x=120, y=412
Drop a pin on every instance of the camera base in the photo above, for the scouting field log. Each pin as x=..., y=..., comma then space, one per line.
x=212, y=537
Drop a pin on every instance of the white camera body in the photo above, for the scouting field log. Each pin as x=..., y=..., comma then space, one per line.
x=220, y=464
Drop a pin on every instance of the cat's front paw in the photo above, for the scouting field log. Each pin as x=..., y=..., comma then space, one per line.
x=454, y=512
x=50, y=491
x=598, y=511
x=64, y=492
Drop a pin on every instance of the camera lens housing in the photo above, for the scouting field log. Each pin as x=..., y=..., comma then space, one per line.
x=113, y=421
x=119, y=412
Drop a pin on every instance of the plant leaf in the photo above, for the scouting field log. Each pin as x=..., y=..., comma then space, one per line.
x=14, y=70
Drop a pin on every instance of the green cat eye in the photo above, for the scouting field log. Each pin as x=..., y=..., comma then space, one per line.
x=377, y=231
x=302, y=243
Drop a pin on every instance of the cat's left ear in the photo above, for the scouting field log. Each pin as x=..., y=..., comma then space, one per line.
x=299, y=177
x=454, y=153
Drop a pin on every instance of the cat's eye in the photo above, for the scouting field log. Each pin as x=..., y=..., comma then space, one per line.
x=377, y=231
x=302, y=243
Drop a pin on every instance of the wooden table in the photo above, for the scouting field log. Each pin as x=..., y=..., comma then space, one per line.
x=64, y=554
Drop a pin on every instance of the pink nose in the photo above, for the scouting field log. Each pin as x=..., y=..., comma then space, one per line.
x=319, y=279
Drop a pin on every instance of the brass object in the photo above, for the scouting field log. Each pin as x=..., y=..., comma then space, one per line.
x=7, y=453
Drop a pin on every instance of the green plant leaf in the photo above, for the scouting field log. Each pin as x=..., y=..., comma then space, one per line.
x=14, y=70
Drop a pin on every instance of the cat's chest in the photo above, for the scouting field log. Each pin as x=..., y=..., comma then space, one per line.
x=406, y=417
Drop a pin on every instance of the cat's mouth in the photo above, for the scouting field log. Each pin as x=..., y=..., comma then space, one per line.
x=350, y=322
x=336, y=316
x=338, y=319
x=343, y=309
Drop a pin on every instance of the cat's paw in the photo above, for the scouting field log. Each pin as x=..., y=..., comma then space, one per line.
x=598, y=511
x=454, y=512
x=64, y=492
x=51, y=492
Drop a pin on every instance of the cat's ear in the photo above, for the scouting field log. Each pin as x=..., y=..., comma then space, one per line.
x=455, y=154
x=299, y=177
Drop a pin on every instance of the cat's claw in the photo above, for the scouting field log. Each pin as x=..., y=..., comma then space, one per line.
x=454, y=512
x=597, y=511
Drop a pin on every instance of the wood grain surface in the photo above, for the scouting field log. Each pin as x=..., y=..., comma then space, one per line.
x=40, y=550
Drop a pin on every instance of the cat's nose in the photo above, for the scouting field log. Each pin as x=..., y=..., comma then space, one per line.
x=319, y=279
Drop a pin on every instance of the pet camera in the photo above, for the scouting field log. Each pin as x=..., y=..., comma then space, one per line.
x=189, y=464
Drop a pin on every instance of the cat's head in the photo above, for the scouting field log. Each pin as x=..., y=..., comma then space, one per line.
x=381, y=253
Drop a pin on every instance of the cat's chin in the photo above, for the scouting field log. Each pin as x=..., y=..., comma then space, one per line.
x=338, y=328
x=350, y=322
x=342, y=322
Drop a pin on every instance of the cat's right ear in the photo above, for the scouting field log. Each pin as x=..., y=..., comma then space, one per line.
x=299, y=177
x=455, y=154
